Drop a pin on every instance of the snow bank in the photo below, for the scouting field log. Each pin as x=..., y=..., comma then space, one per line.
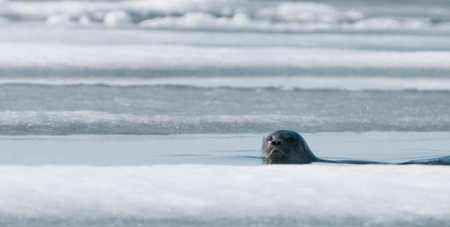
x=150, y=57
x=313, y=195
x=224, y=15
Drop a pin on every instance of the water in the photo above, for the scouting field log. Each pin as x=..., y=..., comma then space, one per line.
x=211, y=149
x=151, y=113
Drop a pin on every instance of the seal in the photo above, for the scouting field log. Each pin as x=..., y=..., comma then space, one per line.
x=289, y=147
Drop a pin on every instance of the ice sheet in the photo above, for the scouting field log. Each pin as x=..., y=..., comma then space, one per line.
x=309, y=195
x=150, y=57
x=228, y=15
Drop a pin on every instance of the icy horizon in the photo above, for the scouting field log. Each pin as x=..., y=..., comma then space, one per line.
x=231, y=15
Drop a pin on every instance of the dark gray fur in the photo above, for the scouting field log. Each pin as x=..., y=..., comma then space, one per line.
x=289, y=147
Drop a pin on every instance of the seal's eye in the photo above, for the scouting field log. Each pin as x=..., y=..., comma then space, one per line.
x=290, y=140
x=269, y=138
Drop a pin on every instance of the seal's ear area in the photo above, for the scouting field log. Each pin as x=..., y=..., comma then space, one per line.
x=291, y=140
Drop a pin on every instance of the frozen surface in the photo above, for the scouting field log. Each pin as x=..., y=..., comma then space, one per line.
x=309, y=195
x=146, y=110
x=282, y=82
x=231, y=15
x=145, y=56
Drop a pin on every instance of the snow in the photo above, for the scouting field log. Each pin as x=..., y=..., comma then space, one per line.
x=150, y=57
x=314, y=195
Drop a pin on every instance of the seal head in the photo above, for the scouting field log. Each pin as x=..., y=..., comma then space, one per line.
x=286, y=147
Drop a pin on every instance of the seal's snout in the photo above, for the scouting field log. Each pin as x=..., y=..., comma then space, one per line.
x=276, y=154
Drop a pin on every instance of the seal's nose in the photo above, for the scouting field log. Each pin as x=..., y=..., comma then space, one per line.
x=275, y=142
x=276, y=152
